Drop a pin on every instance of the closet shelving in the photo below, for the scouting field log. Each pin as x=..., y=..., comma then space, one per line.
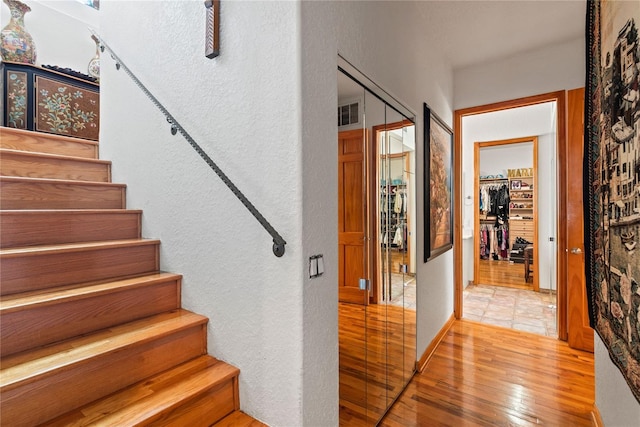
x=521, y=214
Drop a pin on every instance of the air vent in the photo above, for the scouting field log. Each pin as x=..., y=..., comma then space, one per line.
x=348, y=114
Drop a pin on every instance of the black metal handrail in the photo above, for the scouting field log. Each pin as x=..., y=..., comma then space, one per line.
x=278, y=241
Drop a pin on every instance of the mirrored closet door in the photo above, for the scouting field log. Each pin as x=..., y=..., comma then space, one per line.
x=377, y=247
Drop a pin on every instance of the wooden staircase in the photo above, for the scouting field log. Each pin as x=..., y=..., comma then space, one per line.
x=92, y=331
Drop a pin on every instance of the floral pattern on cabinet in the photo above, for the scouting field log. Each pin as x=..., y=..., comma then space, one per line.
x=17, y=100
x=66, y=110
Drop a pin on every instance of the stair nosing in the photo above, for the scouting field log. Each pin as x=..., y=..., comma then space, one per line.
x=21, y=374
x=60, y=181
x=67, y=211
x=74, y=247
x=165, y=395
x=17, y=302
x=54, y=156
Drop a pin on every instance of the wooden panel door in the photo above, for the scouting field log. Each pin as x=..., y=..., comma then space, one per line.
x=352, y=199
x=580, y=335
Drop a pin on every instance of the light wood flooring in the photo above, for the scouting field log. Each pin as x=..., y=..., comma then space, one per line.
x=502, y=273
x=482, y=375
x=373, y=368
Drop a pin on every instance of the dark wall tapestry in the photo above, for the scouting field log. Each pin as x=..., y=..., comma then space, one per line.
x=612, y=181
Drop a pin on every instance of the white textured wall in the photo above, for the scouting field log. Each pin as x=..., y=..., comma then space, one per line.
x=59, y=31
x=244, y=110
x=617, y=405
x=557, y=67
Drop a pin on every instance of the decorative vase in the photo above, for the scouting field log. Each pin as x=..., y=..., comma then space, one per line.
x=93, y=68
x=16, y=44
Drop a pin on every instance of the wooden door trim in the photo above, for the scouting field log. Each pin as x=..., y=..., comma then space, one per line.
x=560, y=98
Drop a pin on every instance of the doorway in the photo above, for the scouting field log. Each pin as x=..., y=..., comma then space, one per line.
x=524, y=293
x=506, y=213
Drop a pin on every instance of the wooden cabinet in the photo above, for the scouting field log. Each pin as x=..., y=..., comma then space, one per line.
x=46, y=100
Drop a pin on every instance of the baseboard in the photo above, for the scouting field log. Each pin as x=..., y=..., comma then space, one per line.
x=595, y=417
x=424, y=359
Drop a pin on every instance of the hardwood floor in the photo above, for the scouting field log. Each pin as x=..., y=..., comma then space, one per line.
x=502, y=273
x=482, y=375
x=373, y=369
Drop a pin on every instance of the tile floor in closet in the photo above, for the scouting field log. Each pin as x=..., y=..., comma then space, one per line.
x=519, y=309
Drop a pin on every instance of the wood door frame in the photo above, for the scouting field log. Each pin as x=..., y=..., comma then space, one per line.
x=374, y=217
x=561, y=136
x=476, y=217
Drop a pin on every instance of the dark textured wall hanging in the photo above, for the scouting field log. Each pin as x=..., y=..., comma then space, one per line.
x=612, y=180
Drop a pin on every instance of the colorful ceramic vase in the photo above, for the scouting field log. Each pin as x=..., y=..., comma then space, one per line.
x=16, y=44
x=94, y=65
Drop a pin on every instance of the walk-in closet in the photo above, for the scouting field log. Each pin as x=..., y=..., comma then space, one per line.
x=506, y=213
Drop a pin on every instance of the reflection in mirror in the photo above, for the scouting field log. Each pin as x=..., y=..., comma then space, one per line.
x=377, y=333
x=351, y=314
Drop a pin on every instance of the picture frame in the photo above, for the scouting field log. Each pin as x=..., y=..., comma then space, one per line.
x=516, y=184
x=438, y=185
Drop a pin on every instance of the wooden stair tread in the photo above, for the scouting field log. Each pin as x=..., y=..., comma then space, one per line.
x=10, y=303
x=18, y=179
x=36, y=154
x=74, y=247
x=23, y=367
x=239, y=419
x=5, y=212
x=150, y=398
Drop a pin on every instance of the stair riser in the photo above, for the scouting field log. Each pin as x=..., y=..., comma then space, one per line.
x=44, y=228
x=32, y=272
x=54, y=393
x=32, y=327
x=44, y=143
x=205, y=410
x=51, y=195
x=34, y=166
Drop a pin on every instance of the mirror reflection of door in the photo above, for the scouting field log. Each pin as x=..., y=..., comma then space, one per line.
x=376, y=198
x=352, y=217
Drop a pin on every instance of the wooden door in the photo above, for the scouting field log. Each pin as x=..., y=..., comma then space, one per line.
x=580, y=335
x=352, y=223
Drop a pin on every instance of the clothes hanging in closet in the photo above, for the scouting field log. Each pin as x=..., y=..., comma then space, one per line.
x=398, y=238
x=494, y=200
x=494, y=242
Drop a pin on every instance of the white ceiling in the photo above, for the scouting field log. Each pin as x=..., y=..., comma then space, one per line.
x=471, y=32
